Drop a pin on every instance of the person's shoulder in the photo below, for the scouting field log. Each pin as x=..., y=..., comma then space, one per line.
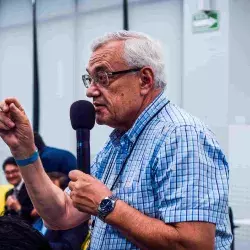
x=58, y=152
x=186, y=128
x=176, y=118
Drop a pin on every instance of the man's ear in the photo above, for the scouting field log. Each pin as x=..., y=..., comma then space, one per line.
x=146, y=80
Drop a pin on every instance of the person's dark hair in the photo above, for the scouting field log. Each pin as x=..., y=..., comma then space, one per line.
x=15, y=234
x=39, y=141
x=10, y=160
x=61, y=177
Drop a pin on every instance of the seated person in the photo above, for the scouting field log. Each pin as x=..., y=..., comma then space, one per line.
x=15, y=234
x=71, y=239
x=17, y=201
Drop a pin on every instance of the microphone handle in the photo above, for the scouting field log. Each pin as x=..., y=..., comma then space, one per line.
x=83, y=150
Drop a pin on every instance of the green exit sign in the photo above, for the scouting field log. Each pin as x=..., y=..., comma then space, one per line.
x=205, y=21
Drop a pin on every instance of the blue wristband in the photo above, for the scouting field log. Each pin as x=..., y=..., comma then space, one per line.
x=27, y=161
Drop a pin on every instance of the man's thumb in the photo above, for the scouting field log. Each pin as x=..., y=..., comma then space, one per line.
x=16, y=114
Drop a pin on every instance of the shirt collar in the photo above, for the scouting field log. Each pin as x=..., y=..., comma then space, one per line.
x=159, y=102
x=115, y=136
x=19, y=186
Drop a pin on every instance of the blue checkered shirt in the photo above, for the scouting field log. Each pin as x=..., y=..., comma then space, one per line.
x=172, y=169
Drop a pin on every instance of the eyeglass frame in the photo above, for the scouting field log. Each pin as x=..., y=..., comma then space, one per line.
x=109, y=74
x=12, y=172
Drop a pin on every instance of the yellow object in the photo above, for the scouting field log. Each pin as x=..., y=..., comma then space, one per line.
x=86, y=242
x=3, y=191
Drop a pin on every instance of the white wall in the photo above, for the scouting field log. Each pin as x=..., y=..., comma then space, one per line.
x=205, y=71
x=239, y=115
x=163, y=20
x=216, y=74
x=15, y=58
x=56, y=42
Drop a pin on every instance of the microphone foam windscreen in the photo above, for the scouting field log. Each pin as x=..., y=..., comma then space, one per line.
x=82, y=115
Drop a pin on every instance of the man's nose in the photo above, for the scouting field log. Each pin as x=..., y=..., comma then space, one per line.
x=93, y=90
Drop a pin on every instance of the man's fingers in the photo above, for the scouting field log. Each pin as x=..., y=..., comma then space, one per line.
x=5, y=121
x=10, y=108
x=3, y=127
x=4, y=107
x=16, y=113
x=10, y=100
x=10, y=198
x=71, y=185
x=75, y=174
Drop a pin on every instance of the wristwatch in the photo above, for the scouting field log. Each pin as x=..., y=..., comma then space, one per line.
x=106, y=206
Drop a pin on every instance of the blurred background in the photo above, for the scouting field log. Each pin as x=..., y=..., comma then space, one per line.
x=207, y=57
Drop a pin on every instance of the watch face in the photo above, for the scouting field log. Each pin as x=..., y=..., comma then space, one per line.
x=106, y=205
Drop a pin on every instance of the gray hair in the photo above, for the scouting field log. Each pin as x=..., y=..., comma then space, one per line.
x=139, y=50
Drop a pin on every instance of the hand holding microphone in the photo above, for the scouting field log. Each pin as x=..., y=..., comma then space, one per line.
x=86, y=192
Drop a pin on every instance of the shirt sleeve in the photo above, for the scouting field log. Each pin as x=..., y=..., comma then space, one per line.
x=191, y=177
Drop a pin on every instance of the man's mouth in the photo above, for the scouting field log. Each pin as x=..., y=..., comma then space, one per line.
x=99, y=106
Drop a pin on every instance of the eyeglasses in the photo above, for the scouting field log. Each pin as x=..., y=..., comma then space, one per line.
x=11, y=172
x=102, y=77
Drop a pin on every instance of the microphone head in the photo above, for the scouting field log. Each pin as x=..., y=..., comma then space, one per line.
x=82, y=115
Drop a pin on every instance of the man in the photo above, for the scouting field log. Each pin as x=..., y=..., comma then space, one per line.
x=54, y=159
x=163, y=179
x=17, y=201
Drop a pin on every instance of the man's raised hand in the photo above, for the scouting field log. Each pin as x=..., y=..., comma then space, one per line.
x=15, y=129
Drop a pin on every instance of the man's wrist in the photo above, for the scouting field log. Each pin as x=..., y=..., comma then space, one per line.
x=32, y=157
x=23, y=153
x=106, y=206
x=110, y=217
x=25, y=162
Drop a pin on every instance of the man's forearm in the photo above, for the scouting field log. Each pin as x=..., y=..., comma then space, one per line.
x=43, y=192
x=47, y=198
x=51, y=203
x=143, y=231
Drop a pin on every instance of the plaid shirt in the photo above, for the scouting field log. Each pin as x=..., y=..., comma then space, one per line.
x=169, y=166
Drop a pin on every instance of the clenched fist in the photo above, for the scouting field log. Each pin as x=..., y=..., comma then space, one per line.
x=15, y=129
x=13, y=203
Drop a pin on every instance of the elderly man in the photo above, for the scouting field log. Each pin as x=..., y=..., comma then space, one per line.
x=160, y=182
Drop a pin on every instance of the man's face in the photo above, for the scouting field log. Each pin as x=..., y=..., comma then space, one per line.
x=118, y=104
x=12, y=174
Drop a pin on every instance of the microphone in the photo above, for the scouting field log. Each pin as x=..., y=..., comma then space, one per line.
x=82, y=116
